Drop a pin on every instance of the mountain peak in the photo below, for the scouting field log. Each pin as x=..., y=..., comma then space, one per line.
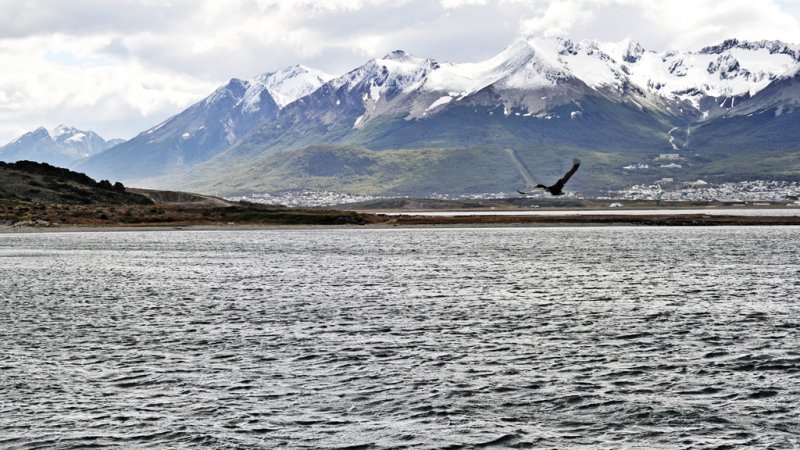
x=61, y=130
x=41, y=131
x=61, y=145
x=633, y=50
x=397, y=55
x=233, y=89
x=288, y=84
x=237, y=85
x=293, y=70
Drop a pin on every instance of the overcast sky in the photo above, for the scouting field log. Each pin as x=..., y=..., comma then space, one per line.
x=118, y=67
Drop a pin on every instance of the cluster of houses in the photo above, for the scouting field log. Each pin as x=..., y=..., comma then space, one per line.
x=745, y=191
x=303, y=198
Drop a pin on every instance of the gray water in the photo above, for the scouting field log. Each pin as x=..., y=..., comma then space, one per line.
x=736, y=212
x=401, y=338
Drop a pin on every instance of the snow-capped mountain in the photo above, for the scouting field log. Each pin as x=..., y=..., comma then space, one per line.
x=381, y=86
x=61, y=146
x=535, y=75
x=534, y=78
x=712, y=79
x=537, y=78
x=705, y=79
x=208, y=127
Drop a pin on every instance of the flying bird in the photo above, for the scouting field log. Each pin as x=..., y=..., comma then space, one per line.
x=557, y=189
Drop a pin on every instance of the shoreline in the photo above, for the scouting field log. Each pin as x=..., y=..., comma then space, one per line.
x=423, y=221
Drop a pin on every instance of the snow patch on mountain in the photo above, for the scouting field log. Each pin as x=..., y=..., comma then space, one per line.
x=439, y=102
x=791, y=73
x=526, y=64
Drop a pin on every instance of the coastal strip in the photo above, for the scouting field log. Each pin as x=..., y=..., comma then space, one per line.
x=387, y=221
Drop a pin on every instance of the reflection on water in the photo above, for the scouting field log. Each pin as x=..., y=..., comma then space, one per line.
x=554, y=337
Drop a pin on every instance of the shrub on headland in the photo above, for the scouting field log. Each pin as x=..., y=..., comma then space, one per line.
x=62, y=175
x=33, y=181
x=47, y=170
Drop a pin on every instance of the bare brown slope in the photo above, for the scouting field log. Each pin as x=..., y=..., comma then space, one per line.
x=182, y=198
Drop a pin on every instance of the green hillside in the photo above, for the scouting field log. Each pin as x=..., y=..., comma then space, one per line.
x=764, y=145
x=358, y=170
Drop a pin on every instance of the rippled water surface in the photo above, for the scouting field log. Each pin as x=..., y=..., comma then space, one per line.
x=416, y=338
x=736, y=212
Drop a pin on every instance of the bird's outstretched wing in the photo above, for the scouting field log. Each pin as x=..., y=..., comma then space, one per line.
x=560, y=183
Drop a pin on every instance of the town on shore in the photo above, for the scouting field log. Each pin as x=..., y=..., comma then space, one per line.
x=665, y=189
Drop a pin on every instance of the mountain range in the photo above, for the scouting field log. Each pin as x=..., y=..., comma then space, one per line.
x=407, y=125
x=61, y=146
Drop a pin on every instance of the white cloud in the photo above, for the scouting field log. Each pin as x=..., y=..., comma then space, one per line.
x=558, y=19
x=678, y=24
x=120, y=67
x=452, y=4
x=70, y=80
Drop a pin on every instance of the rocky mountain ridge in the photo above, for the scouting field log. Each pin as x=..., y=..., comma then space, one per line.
x=63, y=146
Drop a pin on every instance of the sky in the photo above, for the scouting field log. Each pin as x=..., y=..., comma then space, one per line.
x=119, y=67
